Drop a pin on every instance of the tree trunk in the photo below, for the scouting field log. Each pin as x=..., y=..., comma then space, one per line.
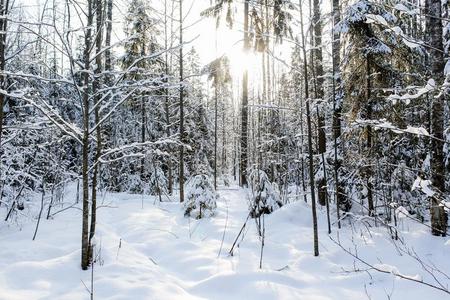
x=181, y=179
x=167, y=98
x=433, y=25
x=143, y=122
x=244, y=106
x=310, y=150
x=319, y=95
x=337, y=107
x=368, y=172
x=215, y=133
x=97, y=97
x=85, y=259
x=224, y=140
x=3, y=27
x=108, y=60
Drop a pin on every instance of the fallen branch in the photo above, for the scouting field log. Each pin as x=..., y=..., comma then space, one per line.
x=239, y=234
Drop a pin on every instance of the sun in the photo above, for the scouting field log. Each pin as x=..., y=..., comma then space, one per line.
x=231, y=45
x=241, y=60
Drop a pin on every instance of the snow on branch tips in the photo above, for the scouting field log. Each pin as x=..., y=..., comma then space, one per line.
x=200, y=197
x=266, y=195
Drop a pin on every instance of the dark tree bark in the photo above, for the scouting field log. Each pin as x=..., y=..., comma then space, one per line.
x=310, y=150
x=4, y=9
x=97, y=96
x=108, y=59
x=216, y=95
x=143, y=126
x=85, y=259
x=433, y=25
x=319, y=95
x=244, y=105
x=224, y=140
x=337, y=107
x=182, y=139
x=368, y=172
x=167, y=98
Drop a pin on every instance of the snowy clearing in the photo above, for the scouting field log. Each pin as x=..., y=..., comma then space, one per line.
x=155, y=253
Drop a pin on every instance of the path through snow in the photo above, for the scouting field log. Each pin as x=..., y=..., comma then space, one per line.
x=155, y=253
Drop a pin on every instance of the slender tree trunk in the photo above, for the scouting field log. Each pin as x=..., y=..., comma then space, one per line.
x=368, y=167
x=3, y=27
x=143, y=123
x=85, y=259
x=337, y=107
x=264, y=156
x=302, y=159
x=182, y=140
x=216, y=95
x=263, y=99
x=95, y=90
x=310, y=150
x=244, y=106
x=224, y=141
x=235, y=146
x=108, y=60
x=167, y=98
x=108, y=78
x=319, y=95
x=215, y=134
x=322, y=157
x=433, y=25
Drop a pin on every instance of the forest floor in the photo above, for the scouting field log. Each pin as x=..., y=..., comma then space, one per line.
x=149, y=250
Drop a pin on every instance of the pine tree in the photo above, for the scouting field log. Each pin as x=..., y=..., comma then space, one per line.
x=141, y=43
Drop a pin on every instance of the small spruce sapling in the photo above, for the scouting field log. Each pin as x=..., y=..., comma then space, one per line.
x=266, y=197
x=157, y=182
x=200, y=200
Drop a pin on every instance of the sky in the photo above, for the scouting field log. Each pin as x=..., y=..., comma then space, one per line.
x=199, y=32
x=211, y=42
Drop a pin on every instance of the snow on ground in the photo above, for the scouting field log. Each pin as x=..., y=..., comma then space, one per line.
x=155, y=253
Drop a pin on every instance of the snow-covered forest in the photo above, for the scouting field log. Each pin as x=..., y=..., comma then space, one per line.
x=224, y=149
